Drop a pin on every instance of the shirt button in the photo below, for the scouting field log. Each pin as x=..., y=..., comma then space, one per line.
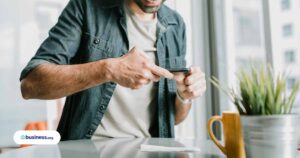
x=96, y=41
x=102, y=107
x=90, y=132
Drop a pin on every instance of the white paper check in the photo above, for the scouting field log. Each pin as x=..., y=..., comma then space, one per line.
x=146, y=147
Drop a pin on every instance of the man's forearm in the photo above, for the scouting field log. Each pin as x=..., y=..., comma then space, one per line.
x=50, y=81
x=181, y=111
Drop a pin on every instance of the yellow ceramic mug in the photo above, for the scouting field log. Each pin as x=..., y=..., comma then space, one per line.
x=233, y=140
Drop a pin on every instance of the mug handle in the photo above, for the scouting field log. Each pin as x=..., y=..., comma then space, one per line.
x=211, y=133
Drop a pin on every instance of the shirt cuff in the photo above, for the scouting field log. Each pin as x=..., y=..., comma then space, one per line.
x=30, y=66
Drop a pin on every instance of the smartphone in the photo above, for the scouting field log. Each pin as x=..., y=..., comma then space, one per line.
x=184, y=70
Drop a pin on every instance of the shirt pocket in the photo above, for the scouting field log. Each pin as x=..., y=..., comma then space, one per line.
x=176, y=62
x=97, y=48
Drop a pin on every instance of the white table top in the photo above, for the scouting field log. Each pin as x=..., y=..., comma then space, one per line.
x=116, y=148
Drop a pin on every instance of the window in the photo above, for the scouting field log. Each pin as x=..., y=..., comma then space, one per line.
x=287, y=30
x=289, y=57
x=237, y=42
x=290, y=83
x=285, y=4
x=251, y=32
x=239, y=45
x=247, y=27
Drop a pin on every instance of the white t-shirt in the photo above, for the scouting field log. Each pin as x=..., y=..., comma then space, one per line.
x=130, y=112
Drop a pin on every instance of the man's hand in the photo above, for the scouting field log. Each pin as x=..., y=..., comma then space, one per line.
x=192, y=85
x=134, y=70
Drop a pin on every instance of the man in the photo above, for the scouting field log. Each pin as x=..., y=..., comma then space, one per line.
x=110, y=58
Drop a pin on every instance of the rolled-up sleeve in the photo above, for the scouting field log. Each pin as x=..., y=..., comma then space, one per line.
x=63, y=41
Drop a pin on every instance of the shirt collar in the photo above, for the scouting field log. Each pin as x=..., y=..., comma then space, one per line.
x=164, y=15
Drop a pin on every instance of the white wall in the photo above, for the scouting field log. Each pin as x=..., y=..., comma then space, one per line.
x=24, y=25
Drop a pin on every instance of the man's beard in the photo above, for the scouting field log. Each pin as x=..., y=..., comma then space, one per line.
x=148, y=9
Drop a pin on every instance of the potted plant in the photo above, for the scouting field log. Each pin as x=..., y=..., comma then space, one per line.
x=264, y=104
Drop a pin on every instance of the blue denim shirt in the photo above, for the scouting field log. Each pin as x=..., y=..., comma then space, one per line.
x=91, y=30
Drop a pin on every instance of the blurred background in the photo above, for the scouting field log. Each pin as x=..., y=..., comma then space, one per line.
x=223, y=36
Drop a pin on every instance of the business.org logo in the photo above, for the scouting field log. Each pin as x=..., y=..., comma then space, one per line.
x=37, y=137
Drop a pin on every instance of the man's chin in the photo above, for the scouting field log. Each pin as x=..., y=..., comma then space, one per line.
x=150, y=9
x=148, y=6
x=150, y=3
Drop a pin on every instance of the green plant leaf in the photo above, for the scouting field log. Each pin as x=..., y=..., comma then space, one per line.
x=260, y=92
